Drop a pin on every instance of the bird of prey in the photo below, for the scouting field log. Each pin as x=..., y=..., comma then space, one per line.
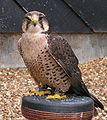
x=50, y=59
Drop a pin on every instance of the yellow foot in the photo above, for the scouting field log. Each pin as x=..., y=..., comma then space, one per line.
x=38, y=93
x=42, y=93
x=56, y=96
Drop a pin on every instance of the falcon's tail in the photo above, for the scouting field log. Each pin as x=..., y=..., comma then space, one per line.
x=97, y=103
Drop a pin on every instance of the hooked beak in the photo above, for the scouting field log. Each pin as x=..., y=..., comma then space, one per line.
x=34, y=19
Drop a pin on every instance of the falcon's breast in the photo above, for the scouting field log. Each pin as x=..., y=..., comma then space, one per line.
x=52, y=71
x=41, y=64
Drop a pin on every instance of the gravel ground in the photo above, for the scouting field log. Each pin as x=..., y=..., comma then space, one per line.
x=15, y=82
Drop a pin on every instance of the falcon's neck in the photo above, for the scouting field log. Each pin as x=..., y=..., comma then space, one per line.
x=33, y=34
x=34, y=38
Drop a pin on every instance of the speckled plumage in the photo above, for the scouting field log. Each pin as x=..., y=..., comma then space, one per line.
x=42, y=66
x=51, y=61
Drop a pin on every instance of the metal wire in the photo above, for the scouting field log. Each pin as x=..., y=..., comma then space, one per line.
x=20, y=6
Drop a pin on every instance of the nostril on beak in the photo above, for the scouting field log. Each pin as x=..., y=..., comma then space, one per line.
x=34, y=24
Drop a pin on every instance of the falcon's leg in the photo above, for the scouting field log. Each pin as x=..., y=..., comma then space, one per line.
x=43, y=87
x=56, y=95
x=40, y=91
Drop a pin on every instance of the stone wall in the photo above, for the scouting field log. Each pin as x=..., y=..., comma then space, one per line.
x=85, y=46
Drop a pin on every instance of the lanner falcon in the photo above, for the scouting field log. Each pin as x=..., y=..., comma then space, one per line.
x=50, y=59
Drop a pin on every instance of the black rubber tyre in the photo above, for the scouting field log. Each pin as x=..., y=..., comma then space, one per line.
x=34, y=107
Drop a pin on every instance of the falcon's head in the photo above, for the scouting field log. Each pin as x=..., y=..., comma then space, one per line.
x=35, y=22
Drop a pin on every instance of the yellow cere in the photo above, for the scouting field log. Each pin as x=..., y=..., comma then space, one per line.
x=34, y=18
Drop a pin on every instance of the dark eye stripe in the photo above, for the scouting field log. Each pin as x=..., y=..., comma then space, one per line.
x=28, y=22
x=41, y=24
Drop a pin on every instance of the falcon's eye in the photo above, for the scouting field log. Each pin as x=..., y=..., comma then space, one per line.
x=28, y=18
x=40, y=18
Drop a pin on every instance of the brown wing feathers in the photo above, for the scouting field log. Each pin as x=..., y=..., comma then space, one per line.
x=65, y=57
